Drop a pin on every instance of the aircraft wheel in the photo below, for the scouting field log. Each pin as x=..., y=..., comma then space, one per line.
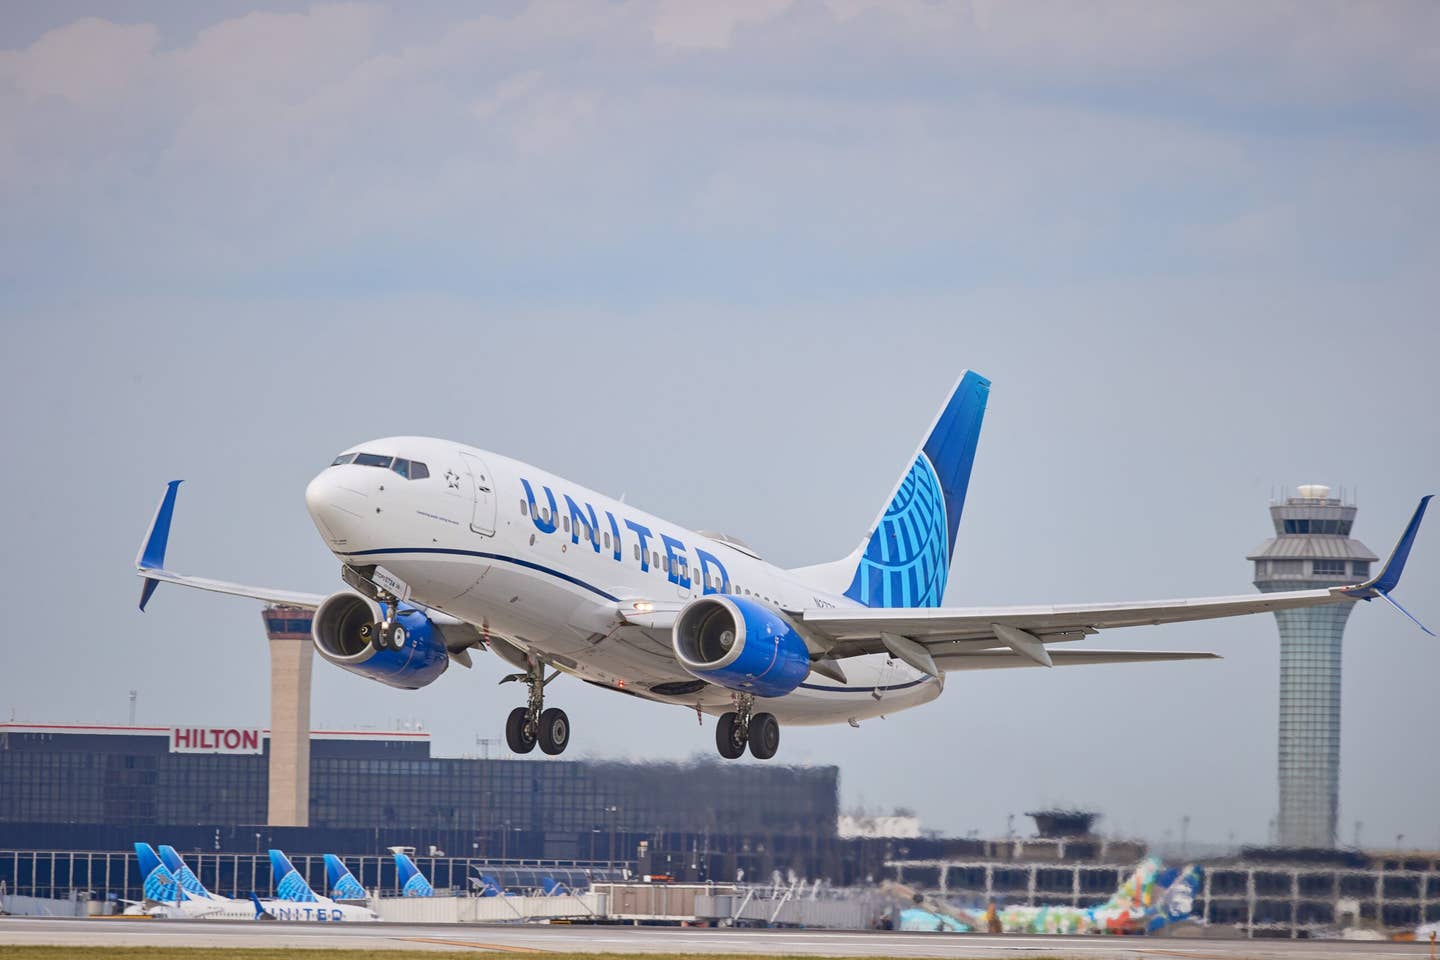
x=554, y=731
x=727, y=736
x=764, y=736
x=517, y=737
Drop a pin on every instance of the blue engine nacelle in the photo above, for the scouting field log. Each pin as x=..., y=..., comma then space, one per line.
x=340, y=634
x=742, y=645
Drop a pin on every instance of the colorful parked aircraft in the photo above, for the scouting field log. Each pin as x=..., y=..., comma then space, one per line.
x=1152, y=898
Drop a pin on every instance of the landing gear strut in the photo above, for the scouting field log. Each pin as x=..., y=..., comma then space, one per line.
x=736, y=729
x=532, y=723
x=388, y=634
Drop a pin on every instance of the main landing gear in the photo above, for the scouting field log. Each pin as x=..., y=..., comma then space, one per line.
x=740, y=727
x=532, y=723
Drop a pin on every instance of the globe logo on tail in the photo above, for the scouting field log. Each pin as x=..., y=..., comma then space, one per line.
x=907, y=559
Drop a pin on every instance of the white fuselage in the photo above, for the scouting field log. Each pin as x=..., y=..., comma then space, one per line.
x=226, y=908
x=550, y=582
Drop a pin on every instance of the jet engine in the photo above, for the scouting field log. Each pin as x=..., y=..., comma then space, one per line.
x=344, y=631
x=740, y=644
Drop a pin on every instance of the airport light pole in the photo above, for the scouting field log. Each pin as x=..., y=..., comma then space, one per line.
x=612, y=810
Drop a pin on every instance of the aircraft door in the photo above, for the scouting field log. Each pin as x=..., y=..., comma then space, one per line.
x=482, y=483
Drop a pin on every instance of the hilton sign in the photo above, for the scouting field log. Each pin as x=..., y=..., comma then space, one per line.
x=215, y=740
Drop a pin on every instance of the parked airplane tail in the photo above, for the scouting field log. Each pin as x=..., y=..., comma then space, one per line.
x=289, y=885
x=1178, y=891
x=260, y=912
x=182, y=872
x=159, y=883
x=343, y=885
x=412, y=881
x=904, y=560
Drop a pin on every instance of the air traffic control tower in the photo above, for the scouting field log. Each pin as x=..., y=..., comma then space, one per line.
x=1311, y=548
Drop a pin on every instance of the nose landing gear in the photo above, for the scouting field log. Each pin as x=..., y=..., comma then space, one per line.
x=739, y=727
x=532, y=723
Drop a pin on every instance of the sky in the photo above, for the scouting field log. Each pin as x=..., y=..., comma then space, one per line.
x=727, y=260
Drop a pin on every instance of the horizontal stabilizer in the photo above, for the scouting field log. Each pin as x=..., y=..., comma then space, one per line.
x=1000, y=659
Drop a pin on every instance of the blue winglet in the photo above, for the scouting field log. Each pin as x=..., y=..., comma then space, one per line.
x=1389, y=577
x=1413, y=619
x=152, y=554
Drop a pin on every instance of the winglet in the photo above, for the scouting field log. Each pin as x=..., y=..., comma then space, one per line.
x=1389, y=576
x=260, y=911
x=1384, y=582
x=152, y=551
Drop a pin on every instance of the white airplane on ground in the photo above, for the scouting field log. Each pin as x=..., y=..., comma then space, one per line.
x=447, y=547
x=174, y=892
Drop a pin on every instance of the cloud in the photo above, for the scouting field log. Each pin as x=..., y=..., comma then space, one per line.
x=876, y=143
x=702, y=25
x=89, y=63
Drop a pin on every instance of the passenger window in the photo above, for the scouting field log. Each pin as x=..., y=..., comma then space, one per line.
x=524, y=508
x=666, y=563
x=545, y=511
x=418, y=470
x=637, y=551
x=654, y=559
x=566, y=524
x=607, y=541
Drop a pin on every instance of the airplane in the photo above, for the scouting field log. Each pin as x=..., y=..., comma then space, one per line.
x=179, y=895
x=412, y=882
x=343, y=885
x=182, y=872
x=445, y=548
x=294, y=900
x=1152, y=898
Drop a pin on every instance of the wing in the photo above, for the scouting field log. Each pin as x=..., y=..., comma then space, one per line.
x=150, y=564
x=937, y=639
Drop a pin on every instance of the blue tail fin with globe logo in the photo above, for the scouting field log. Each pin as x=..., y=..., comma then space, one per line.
x=289, y=885
x=905, y=560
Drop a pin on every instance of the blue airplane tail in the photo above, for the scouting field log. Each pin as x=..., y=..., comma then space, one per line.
x=412, y=881
x=159, y=883
x=260, y=912
x=182, y=872
x=905, y=561
x=343, y=885
x=289, y=885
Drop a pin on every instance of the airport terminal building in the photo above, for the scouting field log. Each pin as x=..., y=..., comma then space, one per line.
x=100, y=787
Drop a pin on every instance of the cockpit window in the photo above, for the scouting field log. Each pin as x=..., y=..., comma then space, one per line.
x=409, y=469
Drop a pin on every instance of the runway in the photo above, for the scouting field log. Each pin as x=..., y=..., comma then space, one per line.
x=540, y=939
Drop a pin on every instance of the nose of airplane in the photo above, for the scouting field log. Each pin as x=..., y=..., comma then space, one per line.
x=338, y=508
